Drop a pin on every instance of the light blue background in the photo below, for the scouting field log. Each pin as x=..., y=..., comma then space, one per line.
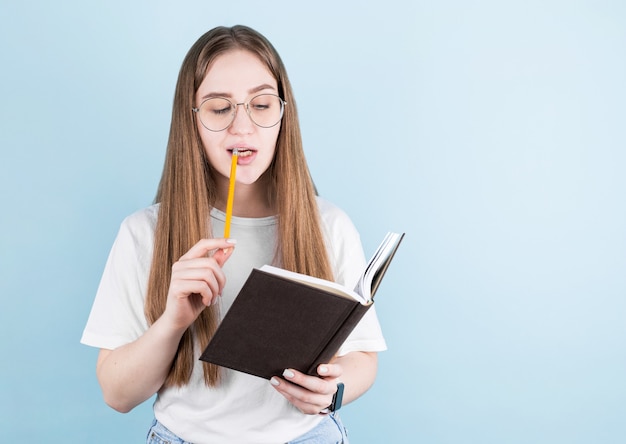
x=492, y=132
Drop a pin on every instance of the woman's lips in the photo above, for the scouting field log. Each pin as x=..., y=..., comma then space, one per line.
x=244, y=155
x=244, y=152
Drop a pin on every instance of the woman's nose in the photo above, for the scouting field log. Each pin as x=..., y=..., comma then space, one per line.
x=242, y=123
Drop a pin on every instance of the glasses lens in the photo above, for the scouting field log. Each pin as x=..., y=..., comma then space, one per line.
x=216, y=114
x=266, y=110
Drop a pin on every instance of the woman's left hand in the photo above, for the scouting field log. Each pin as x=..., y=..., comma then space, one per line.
x=309, y=394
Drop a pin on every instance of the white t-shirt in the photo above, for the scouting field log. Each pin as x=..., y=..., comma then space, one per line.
x=244, y=408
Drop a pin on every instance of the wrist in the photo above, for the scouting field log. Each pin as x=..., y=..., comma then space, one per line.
x=169, y=329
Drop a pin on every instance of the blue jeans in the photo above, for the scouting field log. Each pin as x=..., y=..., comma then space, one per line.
x=329, y=431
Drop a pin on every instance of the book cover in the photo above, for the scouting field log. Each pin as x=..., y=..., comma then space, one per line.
x=281, y=319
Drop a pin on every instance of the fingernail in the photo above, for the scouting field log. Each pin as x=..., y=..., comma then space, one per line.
x=323, y=369
x=231, y=241
x=274, y=381
x=288, y=374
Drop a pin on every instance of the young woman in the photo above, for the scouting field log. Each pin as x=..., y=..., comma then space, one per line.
x=170, y=276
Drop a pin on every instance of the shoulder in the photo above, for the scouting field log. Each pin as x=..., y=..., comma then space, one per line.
x=332, y=216
x=137, y=230
x=343, y=242
x=143, y=220
x=143, y=217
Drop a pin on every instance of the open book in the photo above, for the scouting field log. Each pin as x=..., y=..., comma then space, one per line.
x=281, y=319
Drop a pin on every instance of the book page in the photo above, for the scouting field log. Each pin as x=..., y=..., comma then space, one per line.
x=377, y=266
x=311, y=281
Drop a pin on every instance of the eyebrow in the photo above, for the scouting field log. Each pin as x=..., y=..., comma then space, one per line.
x=229, y=95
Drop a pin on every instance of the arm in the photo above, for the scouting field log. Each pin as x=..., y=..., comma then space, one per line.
x=132, y=373
x=359, y=370
x=311, y=394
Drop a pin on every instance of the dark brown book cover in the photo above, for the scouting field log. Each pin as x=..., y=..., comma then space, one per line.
x=276, y=323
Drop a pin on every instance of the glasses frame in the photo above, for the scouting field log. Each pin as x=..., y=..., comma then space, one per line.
x=246, y=105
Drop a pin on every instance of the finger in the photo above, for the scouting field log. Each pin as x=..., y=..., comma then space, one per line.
x=204, y=246
x=209, y=289
x=196, y=268
x=222, y=255
x=329, y=370
x=310, y=383
x=204, y=268
x=184, y=289
x=304, y=400
x=202, y=276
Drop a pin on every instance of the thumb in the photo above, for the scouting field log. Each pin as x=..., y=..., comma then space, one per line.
x=221, y=255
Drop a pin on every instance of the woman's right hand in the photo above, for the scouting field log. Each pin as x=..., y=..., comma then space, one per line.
x=197, y=281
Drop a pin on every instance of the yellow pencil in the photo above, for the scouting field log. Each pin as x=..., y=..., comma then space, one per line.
x=231, y=194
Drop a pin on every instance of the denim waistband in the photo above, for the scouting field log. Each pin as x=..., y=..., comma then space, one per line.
x=159, y=434
x=329, y=431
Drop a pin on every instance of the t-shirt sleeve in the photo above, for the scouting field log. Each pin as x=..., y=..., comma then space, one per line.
x=117, y=314
x=348, y=262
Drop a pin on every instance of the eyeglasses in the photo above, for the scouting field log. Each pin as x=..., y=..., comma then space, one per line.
x=218, y=113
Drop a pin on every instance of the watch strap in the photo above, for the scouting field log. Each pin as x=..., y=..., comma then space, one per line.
x=337, y=398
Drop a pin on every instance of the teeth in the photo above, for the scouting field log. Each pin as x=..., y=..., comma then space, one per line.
x=243, y=152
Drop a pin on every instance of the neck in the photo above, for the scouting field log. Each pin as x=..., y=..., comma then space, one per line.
x=251, y=200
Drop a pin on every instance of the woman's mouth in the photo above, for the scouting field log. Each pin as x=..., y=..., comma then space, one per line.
x=242, y=152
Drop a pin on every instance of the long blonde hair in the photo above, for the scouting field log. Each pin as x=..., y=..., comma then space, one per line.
x=187, y=192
